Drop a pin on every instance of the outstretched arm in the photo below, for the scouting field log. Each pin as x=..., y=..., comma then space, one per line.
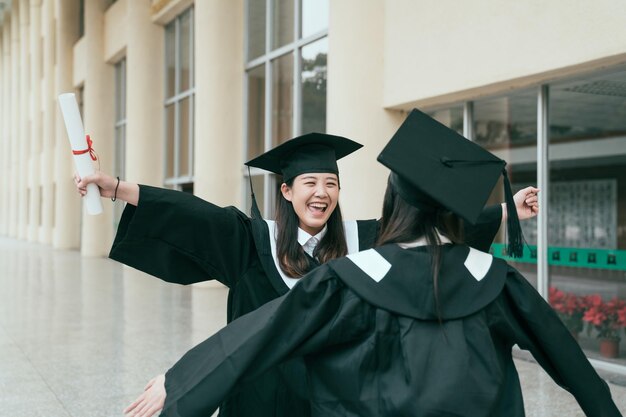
x=126, y=191
x=523, y=317
x=481, y=234
x=293, y=325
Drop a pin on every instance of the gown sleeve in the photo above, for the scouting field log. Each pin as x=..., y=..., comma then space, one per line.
x=526, y=319
x=183, y=239
x=317, y=312
x=481, y=235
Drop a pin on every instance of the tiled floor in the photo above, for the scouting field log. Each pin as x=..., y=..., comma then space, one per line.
x=80, y=337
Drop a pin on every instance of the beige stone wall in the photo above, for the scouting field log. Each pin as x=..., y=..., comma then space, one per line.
x=439, y=51
x=219, y=101
x=355, y=102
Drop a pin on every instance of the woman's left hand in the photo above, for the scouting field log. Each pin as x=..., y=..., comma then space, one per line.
x=151, y=401
x=526, y=202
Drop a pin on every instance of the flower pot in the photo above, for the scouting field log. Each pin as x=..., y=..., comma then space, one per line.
x=609, y=348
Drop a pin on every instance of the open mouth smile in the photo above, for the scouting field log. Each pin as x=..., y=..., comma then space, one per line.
x=318, y=207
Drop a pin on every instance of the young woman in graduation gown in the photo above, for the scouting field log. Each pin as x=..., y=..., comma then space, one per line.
x=419, y=326
x=183, y=239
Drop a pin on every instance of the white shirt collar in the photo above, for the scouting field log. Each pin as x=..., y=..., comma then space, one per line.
x=351, y=231
x=304, y=237
x=422, y=242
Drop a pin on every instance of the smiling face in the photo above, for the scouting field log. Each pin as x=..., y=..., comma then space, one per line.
x=314, y=198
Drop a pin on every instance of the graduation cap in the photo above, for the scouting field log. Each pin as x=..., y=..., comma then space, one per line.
x=313, y=152
x=434, y=166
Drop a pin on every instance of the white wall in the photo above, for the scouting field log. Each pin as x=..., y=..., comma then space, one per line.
x=440, y=51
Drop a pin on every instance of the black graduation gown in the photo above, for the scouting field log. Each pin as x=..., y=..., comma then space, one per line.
x=183, y=239
x=373, y=344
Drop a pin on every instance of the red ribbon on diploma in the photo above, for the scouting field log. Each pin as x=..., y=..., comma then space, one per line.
x=89, y=149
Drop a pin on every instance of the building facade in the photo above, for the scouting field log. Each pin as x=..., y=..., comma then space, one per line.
x=177, y=93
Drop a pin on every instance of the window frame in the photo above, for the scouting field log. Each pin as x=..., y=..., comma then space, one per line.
x=178, y=181
x=266, y=59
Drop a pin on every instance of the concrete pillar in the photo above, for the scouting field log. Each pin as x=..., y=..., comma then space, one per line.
x=97, y=231
x=144, y=95
x=23, y=120
x=34, y=177
x=67, y=206
x=49, y=107
x=15, y=108
x=355, y=101
x=219, y=29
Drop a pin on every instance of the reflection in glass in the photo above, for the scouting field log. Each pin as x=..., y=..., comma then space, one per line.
x=451, y=117
x=120, y=69
x=587, y=216
x=185, y=51
x=170, y=133
x=590, y=108
x=184, y=138
x=120, y=119
x=282, y=98
x=507, y=126
x=507, y=121
x=282, y=22
x=314, y=63
x=314, y=16
x=256, y=28
x=256, y=111
x=170, y=59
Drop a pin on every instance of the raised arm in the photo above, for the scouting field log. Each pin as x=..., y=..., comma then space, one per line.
x=126, y=191
x=176, y=236
x=526, y=204
x=482, y=234
x=524, y=318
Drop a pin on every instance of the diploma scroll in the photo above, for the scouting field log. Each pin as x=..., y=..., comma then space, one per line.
x=78, y=141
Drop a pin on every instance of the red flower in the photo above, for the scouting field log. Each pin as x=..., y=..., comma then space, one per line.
x=607, y=317
x=621, y=314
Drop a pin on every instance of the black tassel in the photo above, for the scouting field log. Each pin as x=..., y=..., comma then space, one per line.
x=255, y=213
x=515, y=246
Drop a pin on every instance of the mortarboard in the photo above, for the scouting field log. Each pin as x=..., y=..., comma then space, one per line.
x=313, y=152
x=433, y=165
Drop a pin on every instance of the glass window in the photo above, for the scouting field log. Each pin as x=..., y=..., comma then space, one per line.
x=587, y=214
x=256, y=112
x=184, y=139
x=258, y=182
x=81, y=19
x=507, y=126
x=282, y=22
x=282, y=99
x=586, y=210
x=170, y=132
x=179, y=102
x=314, y=17
x=170, y=59
x=314, y=63
x=185, y=52
x=256, y=28
x=295, y=94
x=450, y=116
x=120, y=132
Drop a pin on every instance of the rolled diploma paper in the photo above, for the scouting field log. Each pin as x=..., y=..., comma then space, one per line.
x=76, y=135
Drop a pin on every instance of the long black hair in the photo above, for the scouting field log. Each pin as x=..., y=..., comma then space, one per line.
x=291, y=256
x=403, y=223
